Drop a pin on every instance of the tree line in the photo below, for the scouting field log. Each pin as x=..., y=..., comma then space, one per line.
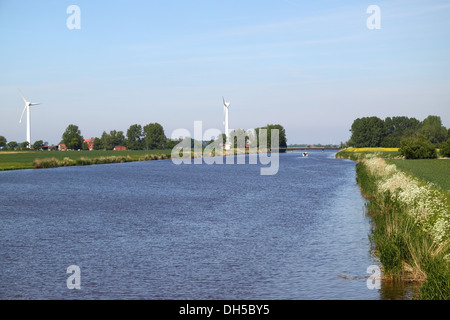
x=148, y=137
x=388, y=133
x=152, y=137
x=416, y=139
x=14, y=145
x=239, y=138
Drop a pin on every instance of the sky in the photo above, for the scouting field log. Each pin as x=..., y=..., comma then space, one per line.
x=311, y=66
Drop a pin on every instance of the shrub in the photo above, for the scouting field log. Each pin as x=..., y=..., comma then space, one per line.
x=445, y=148
x=83, y=162
x=46, y=163
x=417, y=147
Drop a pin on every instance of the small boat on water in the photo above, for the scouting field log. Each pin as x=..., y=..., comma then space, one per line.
x=304, y=154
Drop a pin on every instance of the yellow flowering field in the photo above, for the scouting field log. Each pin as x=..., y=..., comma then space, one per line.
x=372, y=149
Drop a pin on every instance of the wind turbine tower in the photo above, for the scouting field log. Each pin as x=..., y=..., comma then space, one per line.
x=28, y=104
x=225, y=109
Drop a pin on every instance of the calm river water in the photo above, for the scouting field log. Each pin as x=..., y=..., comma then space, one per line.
x=155, y=230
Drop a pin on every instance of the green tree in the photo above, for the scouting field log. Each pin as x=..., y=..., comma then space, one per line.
x=252, y=140
x=2, y=142
x=238, y=138
x=221, y=138
x=134, y=137
x=171, y=143
x=367, y=132
x=98, y=144
x=396, y=128
x=445, y=148
x=154, y=137
x=196, y=144
x=118, y=137
x=72, y=137
x=38, y=144
x=24, y=145
x=433, y=130
x=107, y=141
x=12, y=145
x=417, y=147
x=112, y=139
x=281, y=136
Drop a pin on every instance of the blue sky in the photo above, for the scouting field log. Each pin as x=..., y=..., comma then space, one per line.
x=311, y=66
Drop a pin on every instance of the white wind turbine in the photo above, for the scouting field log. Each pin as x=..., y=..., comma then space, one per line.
x=28, y=104
x=225, y=109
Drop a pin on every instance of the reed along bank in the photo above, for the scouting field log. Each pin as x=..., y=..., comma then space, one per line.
x=411, y=225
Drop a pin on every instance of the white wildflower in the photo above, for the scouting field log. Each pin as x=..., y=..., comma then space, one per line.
x=422, y=201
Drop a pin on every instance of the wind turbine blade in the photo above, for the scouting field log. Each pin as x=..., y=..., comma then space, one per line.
x=20, y=121
x=22, y=96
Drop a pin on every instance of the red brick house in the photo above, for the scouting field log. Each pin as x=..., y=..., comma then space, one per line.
x=90, y=143
x=120, y=148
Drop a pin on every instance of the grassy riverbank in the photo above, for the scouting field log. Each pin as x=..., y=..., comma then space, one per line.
x=15, y=160
x=409, y=206
x=11, y=160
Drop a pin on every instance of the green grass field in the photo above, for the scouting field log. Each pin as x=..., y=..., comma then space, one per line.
x=436, y=171
x=13, y=160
